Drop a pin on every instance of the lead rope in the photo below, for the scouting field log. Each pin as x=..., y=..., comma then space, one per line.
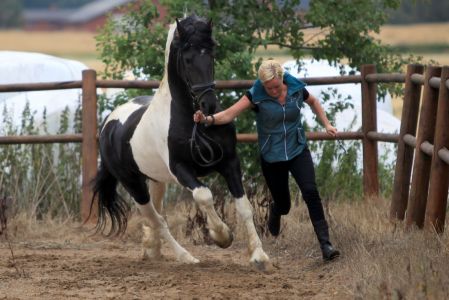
x=205, y=141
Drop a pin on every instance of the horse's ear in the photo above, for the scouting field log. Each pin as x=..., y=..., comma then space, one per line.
x=209, y=23
x=179, y=28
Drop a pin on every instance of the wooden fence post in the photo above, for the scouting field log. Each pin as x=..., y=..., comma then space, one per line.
x=369, y=123
x=89, y=145
x=422, y=163
x=409, y=120
x=439, y=174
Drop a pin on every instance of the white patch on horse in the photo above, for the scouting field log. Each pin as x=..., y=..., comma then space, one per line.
x=122, y=112
x=158, y=120
x=150, y=150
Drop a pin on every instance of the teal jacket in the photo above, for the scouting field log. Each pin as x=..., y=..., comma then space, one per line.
x=280, y=133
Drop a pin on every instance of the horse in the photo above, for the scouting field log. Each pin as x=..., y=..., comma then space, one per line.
x=146, y=143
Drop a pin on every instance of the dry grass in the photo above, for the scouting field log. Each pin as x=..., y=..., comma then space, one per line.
x=380, y=260
x=77, y=45
x=434, y=33
x=55, y=42
x=415, y=34
x=418, y=34
x=405, y=35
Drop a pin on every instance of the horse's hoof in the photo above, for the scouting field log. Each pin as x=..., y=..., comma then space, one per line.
x=151, y=254
x=220, y=241
x=187, y=258
x=261, y=261
x=263, y=266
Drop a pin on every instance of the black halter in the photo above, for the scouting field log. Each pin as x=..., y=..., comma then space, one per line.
x=200, y=139
x=197, y=91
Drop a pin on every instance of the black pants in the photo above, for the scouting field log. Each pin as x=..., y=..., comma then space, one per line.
x=301, y=167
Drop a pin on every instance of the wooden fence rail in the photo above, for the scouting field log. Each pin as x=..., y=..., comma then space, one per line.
x=406, y=140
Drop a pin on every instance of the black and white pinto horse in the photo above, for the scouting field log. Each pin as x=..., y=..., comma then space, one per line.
x=145, y=144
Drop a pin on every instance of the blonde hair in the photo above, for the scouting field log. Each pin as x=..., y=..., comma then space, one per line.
x=270, y=69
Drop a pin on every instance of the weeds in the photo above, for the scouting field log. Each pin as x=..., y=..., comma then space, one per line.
x=44, y=178
x=5, y=203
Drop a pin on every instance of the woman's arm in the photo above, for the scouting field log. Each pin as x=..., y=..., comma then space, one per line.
x=225, y=116
x=318, y=110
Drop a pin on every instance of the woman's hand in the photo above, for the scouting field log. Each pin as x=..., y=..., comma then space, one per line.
x=199, y=117
x=331, y=130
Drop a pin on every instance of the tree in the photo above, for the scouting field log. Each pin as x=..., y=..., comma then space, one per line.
x=10, y=13
x=241, y=27
x=137, y=42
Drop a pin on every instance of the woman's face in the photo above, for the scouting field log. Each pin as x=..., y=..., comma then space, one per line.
x=273, y=87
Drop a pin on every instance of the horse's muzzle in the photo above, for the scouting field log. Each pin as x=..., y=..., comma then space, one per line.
x=208, y=102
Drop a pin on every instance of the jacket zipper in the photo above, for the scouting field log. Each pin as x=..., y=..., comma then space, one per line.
x=285, y=133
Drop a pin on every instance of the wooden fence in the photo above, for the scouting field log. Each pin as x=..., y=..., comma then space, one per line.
x=369, y=135
x=423, y=156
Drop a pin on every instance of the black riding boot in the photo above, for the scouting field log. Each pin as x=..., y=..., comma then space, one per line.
x=322, y=233
x=274, y=221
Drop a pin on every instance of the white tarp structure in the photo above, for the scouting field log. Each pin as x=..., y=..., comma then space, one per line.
x=28, y=67
x=349, y=119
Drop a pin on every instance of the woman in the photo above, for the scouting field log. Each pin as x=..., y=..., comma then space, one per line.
x=277, y=98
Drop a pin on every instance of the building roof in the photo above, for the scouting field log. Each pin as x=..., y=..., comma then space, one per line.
x=83, y=14
x=95, y=9
x=60, y=15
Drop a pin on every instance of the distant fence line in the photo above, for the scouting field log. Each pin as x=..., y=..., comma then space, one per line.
x=407, y=142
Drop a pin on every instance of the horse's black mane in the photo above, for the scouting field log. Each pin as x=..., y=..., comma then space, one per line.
x=196, y=32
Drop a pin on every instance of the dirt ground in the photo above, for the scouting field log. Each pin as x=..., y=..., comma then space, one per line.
x=76, y=265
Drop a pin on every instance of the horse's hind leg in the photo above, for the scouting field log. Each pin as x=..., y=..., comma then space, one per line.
x=137, y=187
x=151, y=239
x=159, y=225
x=157, y=191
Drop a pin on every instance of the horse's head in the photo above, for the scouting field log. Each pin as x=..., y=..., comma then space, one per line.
x=195, y=61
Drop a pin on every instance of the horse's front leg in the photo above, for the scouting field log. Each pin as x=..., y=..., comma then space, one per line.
x=218, y=230
x=232, y=174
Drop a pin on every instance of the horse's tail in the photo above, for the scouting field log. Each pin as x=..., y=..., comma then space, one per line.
x=109, y=203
